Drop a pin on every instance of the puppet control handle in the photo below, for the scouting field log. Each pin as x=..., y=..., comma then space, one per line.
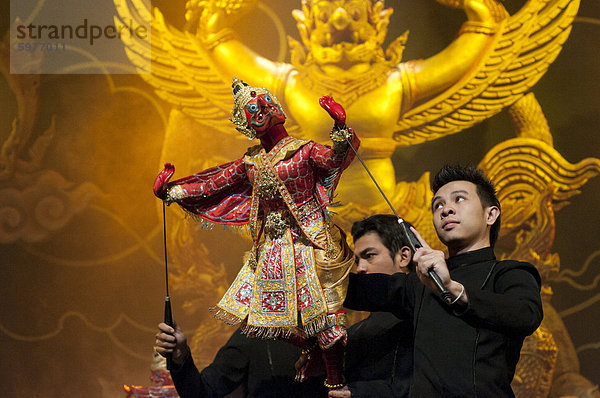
x=414, y=245
x=169, y=321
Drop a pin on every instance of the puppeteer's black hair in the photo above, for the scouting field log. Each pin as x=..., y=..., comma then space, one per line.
x=388, y=229
x=485, y=188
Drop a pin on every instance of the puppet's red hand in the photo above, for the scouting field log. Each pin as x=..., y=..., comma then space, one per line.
x=160, y=183
x=335, y=110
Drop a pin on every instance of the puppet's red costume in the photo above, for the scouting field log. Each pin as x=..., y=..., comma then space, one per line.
x=294, y=279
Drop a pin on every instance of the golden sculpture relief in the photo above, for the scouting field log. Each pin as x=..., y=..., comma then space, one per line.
x=533, y=376
x=494, y=61
x=34, y=202
x=312, y=67
x=533, y=181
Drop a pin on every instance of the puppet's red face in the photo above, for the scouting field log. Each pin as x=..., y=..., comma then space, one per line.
x=263, y=113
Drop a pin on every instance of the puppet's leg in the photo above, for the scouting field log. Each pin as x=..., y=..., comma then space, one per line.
x=325, y=353
x=310, y=362
x=332, y=270
x=332, y=342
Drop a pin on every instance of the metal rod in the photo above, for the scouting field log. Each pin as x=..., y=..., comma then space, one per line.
x=446, y=295
x=371, y=175
x=168, y=312
x=165, y=246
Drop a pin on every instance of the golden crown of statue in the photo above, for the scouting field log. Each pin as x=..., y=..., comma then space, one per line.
x=242, y=94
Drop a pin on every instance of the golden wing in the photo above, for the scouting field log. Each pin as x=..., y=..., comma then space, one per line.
x=533, y=181
x=177, y=65
x=519, y=55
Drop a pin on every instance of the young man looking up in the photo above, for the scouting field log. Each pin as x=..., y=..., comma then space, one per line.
x=470, y=347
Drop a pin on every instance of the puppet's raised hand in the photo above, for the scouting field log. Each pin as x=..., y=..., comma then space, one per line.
x=335, y=110
x=160, y=183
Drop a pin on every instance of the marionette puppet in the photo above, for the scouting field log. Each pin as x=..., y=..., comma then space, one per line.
x=294, y=279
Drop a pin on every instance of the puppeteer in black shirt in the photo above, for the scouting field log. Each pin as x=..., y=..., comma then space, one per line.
x=247, y=367
x=378, y=364
x=379, y=357
x=461, y=352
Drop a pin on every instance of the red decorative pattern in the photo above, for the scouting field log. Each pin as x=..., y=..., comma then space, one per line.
x=244, y=294
x=220, y=194
x=272, y=268
x=332, y=335
x=300, y=266
x=273, y=301
x=304, y=298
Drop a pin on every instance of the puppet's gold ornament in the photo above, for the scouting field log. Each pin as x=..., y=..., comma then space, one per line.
x=494, y=61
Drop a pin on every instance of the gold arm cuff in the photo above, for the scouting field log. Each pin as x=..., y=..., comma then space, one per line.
x=340, y=135
x=175, y=193
x=341, y=139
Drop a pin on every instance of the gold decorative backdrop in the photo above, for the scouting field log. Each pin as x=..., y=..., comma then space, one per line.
x=81, y=233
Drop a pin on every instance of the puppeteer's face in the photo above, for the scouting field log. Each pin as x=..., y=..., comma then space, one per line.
x=459, y=218
x=342, y=32
x=371, y=256
x=263, y=113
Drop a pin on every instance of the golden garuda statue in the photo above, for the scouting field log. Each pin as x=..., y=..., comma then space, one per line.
x=494, y=60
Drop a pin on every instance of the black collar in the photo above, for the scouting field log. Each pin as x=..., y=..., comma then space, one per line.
x=472, y=257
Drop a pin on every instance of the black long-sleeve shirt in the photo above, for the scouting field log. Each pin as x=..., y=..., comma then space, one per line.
x=379, y=357
x=378, y=364
x=472, y=354
x=263, y=368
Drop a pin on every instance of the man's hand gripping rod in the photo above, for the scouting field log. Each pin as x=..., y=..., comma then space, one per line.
x=412, y=239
